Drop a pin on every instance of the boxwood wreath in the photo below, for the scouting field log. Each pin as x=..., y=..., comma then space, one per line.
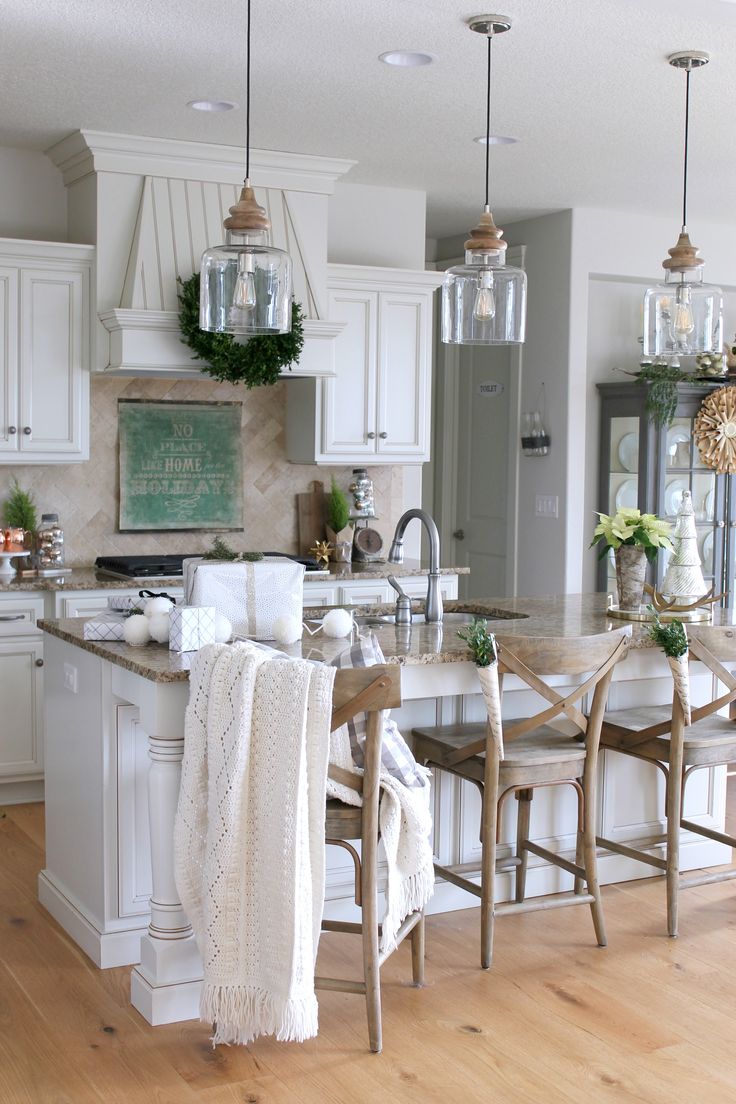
x=256, y=362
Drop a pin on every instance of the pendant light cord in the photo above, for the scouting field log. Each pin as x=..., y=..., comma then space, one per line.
x=687, y=138
x=247, y=96
x=488, y=122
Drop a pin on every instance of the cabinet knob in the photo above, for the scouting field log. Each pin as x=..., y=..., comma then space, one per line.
x=384, y=435
x=27, y=430
x=732, y=524
x=370, y=436
x=39, y=663
x=720, y=525
x=12, y=429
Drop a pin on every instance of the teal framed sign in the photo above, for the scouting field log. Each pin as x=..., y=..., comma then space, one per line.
x=181, y=465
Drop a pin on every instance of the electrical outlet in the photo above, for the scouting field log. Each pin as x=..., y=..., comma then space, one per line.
x=547, y=506
x=70, y=677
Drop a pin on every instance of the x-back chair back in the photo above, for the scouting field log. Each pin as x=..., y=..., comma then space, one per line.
x=371, y=691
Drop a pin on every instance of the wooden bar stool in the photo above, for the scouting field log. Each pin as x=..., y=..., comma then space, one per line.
x=369, y=690
x=658, y=735
x=535, y=754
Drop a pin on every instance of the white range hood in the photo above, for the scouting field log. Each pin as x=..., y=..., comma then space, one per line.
x=152, y=206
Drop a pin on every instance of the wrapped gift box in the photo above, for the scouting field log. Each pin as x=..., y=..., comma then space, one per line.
x=251, y=595
x=105, y=626
x=191, y=628
x=124, y=603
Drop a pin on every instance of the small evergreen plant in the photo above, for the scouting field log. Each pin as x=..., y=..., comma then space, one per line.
x=480, y=641
x=20, y=509
x=670, y=635
x=338, y=510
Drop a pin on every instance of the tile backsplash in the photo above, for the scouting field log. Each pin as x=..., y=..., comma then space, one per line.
x=86, y=496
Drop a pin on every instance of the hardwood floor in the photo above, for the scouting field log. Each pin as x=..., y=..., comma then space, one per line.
x=556, y=1021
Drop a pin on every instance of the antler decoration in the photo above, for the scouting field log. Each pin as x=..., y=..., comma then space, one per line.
x=665, y=605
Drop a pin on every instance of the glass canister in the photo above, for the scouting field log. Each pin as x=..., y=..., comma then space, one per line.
x=361, y=489
x=50, y=536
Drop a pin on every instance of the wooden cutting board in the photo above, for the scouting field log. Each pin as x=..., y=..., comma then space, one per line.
x=311, y=513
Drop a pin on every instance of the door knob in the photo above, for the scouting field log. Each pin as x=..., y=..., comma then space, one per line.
x=12, y=429
x=459, y=534
x=27, y=430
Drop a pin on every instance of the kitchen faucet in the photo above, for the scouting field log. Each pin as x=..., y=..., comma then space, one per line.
x=433, y=610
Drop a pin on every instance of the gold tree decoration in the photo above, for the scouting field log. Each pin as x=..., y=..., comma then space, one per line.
x=715, y=430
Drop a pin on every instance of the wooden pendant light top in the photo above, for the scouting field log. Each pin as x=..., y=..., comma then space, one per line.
x=247, y=213
x=683, y=257
x=486, y=237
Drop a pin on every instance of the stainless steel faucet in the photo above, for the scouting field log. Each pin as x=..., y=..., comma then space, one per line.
x=433, y=611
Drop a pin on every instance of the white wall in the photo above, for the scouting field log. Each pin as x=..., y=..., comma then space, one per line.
x=608, y=284
x=33, y=196
x=377, y=226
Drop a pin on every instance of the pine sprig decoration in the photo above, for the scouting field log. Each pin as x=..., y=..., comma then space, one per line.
x=670, y=635
x=661, y=400
x=222, y=552
x=256, y=363
x=480, y=641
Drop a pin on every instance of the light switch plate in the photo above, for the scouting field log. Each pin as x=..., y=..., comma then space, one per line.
x=70, y=677
x=547, y=506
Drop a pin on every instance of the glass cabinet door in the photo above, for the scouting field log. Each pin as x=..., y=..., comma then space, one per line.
x=683, y=470
x=624, y=472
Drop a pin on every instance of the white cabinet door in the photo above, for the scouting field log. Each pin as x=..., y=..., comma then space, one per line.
x=21, y=708
x=403, y=374
x=316, y=594
x=416, y=586
x=53, y=364
x=349, y=400
x=134, y=837
x=364, y=594
x=8, y=360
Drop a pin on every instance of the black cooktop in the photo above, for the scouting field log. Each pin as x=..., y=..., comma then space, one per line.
x=168, y=567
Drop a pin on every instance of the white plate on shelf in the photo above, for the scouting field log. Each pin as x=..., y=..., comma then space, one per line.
x=678, y=435
x=628, y=452
x=673, y=496
x=628, y=494
x=707, y=554
x=709, y=503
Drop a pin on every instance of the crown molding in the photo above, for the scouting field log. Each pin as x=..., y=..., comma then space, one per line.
x=90, y=151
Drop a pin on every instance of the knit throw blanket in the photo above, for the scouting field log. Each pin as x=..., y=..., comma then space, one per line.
x=249, y=841
x=405, y=821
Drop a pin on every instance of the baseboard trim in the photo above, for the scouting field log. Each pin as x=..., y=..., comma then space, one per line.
x=22, y=793
x=106, y=949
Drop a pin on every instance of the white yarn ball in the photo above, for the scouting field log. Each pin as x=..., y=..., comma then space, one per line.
x=223, y=629
x=287, y=630
x=337, y=622
x=159, y=626
x=156, y=606
x=136, y=630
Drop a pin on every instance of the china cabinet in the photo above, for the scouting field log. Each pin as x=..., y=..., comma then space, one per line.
x=377, y=408
x=649, y=467
x=44, y=352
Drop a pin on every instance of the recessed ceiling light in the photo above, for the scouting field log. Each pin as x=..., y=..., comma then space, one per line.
x=408, y=59
x=211, y=105
x=498, y=140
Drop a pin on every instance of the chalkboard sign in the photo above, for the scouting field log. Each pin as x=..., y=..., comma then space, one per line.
x=180, y=465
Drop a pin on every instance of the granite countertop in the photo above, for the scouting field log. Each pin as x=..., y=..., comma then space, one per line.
x=88, y=578
x=570, y=615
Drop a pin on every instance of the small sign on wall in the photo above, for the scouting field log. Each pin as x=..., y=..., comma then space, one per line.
x=180, y=465
x=490, y=389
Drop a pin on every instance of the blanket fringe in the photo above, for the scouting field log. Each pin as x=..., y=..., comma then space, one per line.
x=240, y=1013
x=413, y=896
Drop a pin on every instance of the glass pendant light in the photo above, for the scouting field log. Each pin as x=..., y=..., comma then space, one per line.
x=484, y=300
x=245, y=285
x=683, y=316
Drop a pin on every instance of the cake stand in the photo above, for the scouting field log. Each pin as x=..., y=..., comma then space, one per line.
x=7, y=571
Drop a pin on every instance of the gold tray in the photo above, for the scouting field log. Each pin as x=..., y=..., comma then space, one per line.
x=668, y=615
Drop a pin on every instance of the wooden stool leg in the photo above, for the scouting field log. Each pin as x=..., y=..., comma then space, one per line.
x=673, y=806
x=488, y=857
x=417, y=953
x=579, y=846
x=369, y=881
x=524, y=798
x=589, y=850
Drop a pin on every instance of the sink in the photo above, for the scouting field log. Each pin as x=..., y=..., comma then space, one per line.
x=449, y=618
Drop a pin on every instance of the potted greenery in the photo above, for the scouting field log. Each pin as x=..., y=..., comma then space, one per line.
x=635, y=539
x=19, y=514
x=482, y=646
x=339, y=529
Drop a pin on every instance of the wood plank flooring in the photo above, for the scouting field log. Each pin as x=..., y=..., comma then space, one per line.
x=556, y=1021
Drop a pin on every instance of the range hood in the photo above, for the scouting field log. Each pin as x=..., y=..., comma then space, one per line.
x=151, y=206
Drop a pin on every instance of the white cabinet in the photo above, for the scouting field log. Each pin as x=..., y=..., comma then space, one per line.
x=44, y=352
x=21, y=697
x=377, y=408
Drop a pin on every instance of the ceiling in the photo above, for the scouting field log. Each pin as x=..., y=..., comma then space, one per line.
x=583, y=83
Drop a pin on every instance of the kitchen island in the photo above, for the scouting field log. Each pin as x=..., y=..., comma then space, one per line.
x=114, y=724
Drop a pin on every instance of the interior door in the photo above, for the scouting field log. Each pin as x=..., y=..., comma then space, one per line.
x=481, y=495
